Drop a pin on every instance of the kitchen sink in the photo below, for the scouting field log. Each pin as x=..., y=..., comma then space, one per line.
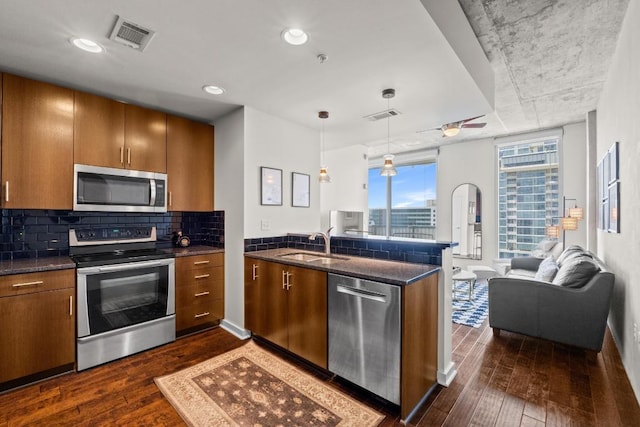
x=307, y=257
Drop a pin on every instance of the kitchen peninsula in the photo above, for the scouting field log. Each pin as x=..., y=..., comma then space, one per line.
x=286, y=304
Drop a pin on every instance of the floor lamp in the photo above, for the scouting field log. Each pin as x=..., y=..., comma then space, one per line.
x=570, y=221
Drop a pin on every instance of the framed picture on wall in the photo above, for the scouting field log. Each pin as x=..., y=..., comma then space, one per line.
x=300, y=190
x=271, y=186
x=613, y=163
x=614, y=207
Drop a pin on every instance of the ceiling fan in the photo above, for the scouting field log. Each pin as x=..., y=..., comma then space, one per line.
x=453, y=128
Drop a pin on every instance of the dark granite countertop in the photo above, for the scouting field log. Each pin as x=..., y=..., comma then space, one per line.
x=392, y=272
x=35, y=265
x=195, y=250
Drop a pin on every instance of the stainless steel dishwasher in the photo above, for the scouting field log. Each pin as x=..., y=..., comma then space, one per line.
x=364, y=334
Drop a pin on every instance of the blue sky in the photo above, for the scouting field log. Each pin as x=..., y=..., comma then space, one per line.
x=410, y=188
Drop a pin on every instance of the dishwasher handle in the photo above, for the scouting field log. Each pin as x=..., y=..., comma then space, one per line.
x=362, y=293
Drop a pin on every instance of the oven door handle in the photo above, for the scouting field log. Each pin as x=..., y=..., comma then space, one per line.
x=124, y=267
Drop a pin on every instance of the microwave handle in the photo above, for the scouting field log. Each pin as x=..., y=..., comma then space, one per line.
x=152, y=201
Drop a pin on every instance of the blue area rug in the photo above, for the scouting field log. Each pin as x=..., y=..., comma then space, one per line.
x=471, y=313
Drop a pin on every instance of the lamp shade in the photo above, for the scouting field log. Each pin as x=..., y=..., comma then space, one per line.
x=576, y=212
x=552, y=231
x=388, y=169
x=324, y=177
x=569, y=223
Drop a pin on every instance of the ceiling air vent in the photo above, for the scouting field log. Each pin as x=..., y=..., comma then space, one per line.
x=382, y=114
x=129, y=34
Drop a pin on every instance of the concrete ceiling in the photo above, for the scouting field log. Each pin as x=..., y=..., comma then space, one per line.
x=549, y=58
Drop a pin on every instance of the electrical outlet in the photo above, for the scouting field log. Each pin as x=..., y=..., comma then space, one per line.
x=636, y=337
x=265, y=225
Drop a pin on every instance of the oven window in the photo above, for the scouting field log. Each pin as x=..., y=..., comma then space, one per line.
x=125, y=298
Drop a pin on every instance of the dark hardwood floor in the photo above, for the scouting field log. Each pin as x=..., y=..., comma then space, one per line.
x=510, y=380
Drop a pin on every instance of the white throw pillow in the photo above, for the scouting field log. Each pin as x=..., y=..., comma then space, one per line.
x=547, y=270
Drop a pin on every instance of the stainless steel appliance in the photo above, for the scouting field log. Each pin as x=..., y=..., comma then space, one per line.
x=125, y=293
x=364, y=334
x=118, y=190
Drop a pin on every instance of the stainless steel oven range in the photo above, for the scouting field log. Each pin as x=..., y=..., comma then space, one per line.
x=125, y=293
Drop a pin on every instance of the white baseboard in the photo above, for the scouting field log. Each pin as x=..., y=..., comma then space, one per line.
x=446, y=377
x=234, y=329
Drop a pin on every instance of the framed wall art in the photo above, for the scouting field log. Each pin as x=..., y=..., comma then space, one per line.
x=300, y=190
x=271, y=186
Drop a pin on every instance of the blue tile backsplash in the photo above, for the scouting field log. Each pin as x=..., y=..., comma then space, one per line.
x=32, y=233
x=395, y=250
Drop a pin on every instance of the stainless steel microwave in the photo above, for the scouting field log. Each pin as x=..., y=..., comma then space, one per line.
x=118, y=190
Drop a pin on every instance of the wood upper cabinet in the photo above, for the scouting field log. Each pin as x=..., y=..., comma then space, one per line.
x=190, y=151
x=112, y=134
x=98, y=131
x=199, y=292
x=287, y=305
x=37, y=315
x=145, y=139
x=37, y=145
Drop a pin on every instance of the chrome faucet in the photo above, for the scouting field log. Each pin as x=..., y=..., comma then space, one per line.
x=327, y=240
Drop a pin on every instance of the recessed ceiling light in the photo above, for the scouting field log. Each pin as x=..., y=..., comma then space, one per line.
x=86, y=45
x=213, y=90
x=295, y=36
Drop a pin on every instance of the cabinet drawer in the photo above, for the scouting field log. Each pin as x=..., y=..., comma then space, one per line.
x=186, y=295
x=27, y=283
x=196, y=262
x=202, y=312
x=203, y=277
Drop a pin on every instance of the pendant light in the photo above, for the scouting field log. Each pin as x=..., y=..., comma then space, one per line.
x=324, y=177
x=387, y=169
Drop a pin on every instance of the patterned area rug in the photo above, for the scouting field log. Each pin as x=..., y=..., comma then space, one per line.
x=249, y=386
x=471, y=313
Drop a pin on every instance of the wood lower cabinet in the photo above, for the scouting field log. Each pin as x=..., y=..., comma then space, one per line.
x=199, y=292
x=37, y=325
x=189, y=165
x=287, y=305
x=37, y=145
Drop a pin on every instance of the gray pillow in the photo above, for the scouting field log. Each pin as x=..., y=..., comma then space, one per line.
x=576, y=272
x=569, y=252
x=547, y=270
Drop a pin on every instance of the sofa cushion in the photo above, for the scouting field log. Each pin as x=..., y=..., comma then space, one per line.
x=547, y=270
x=576, y=272
x=570, y=252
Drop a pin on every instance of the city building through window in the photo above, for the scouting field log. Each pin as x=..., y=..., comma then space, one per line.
x=410, y=199
x=528, y=193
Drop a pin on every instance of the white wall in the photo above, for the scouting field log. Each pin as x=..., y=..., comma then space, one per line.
x=229, y=186
x=617, y=120
x=276, y=143
x=475, y=162
x=348, y=168
x=245, y=140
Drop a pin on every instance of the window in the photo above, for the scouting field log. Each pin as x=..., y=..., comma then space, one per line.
x=528, y=193
x=412, y=193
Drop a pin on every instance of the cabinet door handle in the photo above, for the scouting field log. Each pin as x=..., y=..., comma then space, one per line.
x=21, y=285
x=122, y=155
x=201, y=262
x=129, y=156
x=170, y=198
x=206, y=313
x=202, y=276
x=284, y=277
x=201, y=294
x=288, y=280
x=6, y=192
x=70, y=305
x=254, y=272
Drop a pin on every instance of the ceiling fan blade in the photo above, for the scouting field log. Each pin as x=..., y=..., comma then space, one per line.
x=472, y=118
x=474, y=125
